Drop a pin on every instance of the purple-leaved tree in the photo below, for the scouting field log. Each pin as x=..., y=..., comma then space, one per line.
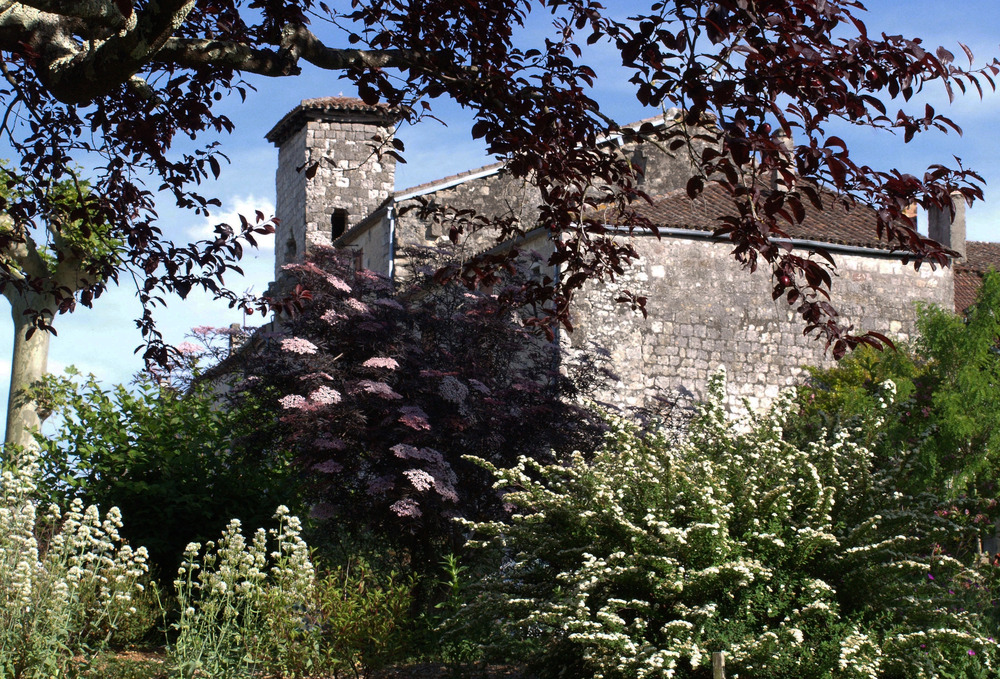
x=381, y=394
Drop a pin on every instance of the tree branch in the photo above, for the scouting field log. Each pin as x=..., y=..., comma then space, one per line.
x=297, y=43
x=76, y=73
x=27, y=258
x=103, y=13
x=194, y=53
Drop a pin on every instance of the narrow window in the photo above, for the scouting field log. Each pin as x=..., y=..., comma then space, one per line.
x=359, y=259
x=639, y=163
x=338, y=220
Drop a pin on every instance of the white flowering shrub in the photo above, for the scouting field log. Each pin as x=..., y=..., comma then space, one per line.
x=67, y=581
x=796, y=562
x=241, y=604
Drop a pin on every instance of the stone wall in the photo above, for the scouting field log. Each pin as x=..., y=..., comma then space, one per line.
x=704, y=311
x=349, y=177
x=374, y=241
x=497, y=195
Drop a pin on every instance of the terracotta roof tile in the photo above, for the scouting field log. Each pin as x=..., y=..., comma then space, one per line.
x=836, y=223
x=967, y=283
x=980, y=257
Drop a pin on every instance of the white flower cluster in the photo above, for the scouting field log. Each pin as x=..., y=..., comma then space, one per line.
x=234, y=596
x=62, y=577
x=664, y=549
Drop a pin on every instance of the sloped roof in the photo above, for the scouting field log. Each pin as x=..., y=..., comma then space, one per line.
x=450, y=180
x=980, y=257
x=835, y=224
x=312, y=108
x=669, y=116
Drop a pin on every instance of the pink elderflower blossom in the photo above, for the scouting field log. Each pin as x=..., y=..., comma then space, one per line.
x=325, y=396
x=297, y=345
x=444, y=477
x=379, y=389
x=337, y=283
x=189, y=349
x=407, y=507
x=414, y=417
x=329, y=444
x=332, y=317
x=451, y=389
x=376, y=279
x=293, y=402
x=381, y=362
x=420, y=479
x=404, y=451
x=357, y=305
x=328, y=467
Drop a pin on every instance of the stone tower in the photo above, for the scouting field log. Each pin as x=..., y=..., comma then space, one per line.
x=329, y=174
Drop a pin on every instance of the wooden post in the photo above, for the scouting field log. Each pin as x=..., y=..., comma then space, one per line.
x=719, y=665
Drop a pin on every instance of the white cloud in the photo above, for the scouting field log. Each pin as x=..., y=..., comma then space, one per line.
x=230, y=213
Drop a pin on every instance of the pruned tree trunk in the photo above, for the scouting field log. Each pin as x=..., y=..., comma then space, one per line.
x=28, y=363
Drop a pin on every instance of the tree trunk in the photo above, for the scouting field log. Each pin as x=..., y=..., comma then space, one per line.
x=28, y=363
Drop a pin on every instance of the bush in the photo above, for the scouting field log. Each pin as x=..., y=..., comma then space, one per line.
x=238, y=602
x=798, y=562
x=363, y=618
x=68, y=583
x=381, y=394
x=948, y=384
x=173, y=462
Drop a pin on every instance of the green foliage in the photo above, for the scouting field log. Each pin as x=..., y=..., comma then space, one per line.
x=68, y=583
x=798, y=561
x=238, y=600
x=173, y=462
x=73, y=218
x=946, y=410
x=361, y=618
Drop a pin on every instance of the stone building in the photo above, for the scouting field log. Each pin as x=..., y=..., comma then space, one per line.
x=703, y=309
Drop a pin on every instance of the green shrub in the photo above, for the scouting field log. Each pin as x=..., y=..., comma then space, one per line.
x=174, y=462
x=946, y=412
x=68, y=583
x=362, y=618
x=798, y=562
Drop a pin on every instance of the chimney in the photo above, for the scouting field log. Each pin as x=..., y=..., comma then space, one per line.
x=786, y=148
x=947, y=230
x=237, y=337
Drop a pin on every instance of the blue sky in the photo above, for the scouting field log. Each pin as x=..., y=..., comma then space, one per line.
x=101, y=340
